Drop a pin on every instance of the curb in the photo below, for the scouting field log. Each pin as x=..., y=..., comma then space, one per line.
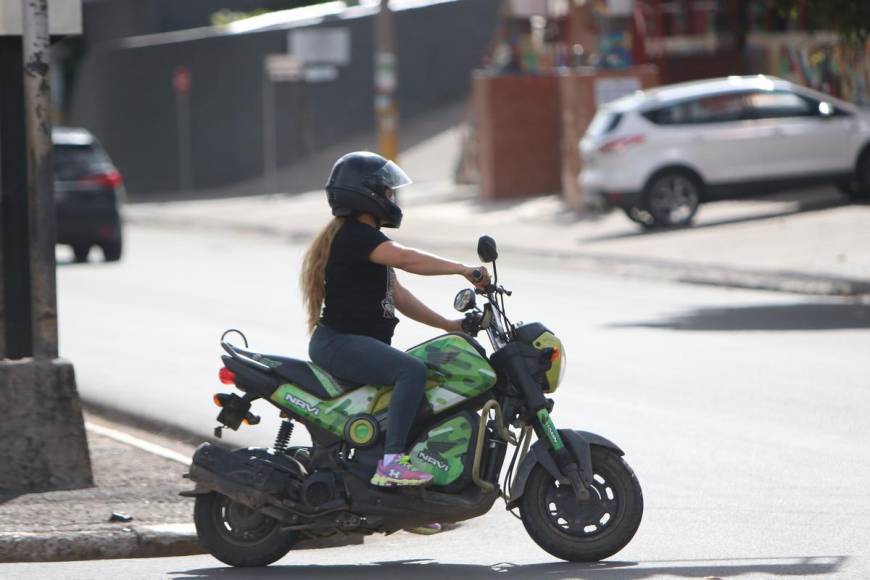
x=155, y=541
x=128, y=542
x=649, y=268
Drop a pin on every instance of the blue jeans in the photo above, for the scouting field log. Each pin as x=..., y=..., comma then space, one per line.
x=363, y=359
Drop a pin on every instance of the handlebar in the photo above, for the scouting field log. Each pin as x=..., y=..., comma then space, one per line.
x=493, y=289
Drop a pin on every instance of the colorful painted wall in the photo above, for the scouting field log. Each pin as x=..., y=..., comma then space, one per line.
x=818, y=61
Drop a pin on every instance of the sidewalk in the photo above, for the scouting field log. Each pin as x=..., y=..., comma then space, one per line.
x=809, y=242
x=138, y=473
x=74, y=525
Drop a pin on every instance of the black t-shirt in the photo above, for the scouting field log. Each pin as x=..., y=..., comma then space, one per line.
x=359, y=296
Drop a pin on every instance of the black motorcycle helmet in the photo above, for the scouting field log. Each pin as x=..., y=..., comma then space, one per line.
x=359, y=183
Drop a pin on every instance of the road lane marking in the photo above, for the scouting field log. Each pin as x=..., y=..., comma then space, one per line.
x=138, y=443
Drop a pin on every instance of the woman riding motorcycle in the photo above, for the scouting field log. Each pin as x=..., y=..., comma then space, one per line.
x=351, y=294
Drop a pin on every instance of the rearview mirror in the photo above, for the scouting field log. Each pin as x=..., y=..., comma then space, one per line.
x=486, y=249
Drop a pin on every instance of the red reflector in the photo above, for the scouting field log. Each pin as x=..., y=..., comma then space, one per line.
x=111, y=179
x=620, y=143
x=227, y=376
x=555, y=356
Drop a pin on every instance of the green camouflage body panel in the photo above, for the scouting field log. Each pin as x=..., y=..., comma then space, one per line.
x=456, y=371
x=442, y=450
x=329, y=414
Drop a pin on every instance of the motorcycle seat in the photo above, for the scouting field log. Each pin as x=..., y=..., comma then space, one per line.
x=299, y=373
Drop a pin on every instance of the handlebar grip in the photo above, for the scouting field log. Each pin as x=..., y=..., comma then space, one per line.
x=477, y=274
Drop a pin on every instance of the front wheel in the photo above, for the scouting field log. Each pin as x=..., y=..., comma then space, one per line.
x=671, y=199
x=585, y=531
x=237, y=535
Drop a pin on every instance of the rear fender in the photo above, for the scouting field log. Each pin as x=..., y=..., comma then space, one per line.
x=578, y=442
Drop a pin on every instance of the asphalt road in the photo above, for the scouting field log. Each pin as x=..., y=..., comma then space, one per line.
x=743, y=413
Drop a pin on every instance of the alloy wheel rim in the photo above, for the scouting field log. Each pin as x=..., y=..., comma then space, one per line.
x=242, y=525
x=674, y=198
x=587, y=519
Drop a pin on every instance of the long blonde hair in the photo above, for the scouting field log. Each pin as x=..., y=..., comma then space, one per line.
x=313, y=278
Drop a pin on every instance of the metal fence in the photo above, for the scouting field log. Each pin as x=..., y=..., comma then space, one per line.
x=125, y=92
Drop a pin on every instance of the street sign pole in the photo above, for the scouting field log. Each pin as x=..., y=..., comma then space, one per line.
x=181, y=83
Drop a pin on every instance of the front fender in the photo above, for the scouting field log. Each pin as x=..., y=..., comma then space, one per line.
x=578, y=442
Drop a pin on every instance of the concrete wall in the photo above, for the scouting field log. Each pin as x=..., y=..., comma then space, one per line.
x=124, y=92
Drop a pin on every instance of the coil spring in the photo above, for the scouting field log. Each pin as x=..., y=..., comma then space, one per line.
x=285, y=431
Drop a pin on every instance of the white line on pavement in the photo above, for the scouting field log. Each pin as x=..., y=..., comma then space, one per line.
x=138, y=443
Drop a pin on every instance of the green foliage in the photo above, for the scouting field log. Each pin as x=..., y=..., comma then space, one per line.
x=848, y=18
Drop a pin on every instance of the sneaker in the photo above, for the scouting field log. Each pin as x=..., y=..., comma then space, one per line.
x=400, y=472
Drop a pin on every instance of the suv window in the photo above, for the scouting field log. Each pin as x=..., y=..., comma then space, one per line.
x=712, y=109
x=604, y=122
x=75, y=161
x=778, y=104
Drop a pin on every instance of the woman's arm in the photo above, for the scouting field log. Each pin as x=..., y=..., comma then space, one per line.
x=419, y=262
x=410, y=306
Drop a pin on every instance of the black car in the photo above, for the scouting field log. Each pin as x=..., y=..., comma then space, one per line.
x=88, y=191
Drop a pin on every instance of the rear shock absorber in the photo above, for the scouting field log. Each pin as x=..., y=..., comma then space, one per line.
x=285, y=431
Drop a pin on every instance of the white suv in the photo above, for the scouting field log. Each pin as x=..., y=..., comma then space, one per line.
x=658, y=154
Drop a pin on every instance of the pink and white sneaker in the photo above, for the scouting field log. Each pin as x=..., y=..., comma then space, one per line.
x=399, y=472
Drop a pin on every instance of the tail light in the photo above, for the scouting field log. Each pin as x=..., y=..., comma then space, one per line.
x=227, y=376
x=109, y=179
x=620, y=143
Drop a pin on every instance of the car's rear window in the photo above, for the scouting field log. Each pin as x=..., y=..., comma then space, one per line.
x=75, y=161
x=603, y=123
x=772, y=105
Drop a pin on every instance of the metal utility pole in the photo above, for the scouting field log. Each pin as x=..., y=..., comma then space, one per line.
x=42, y=437
x=386, y=83
x=40, y=178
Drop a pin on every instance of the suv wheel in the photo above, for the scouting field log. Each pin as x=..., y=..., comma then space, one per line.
x=112, y=251
x=859, y=189
x=672, y=198
x=81, y=252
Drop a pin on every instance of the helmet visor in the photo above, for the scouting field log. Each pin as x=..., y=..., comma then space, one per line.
x=391, y=176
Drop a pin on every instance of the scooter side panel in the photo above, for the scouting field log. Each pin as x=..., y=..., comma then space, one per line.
x=329, y=414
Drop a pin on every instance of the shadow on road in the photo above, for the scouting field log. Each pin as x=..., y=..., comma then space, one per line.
x=805, y=202
x=430, y=570
x=784, y=317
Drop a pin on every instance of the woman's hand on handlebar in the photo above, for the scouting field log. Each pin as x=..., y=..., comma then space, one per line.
x=477, y=275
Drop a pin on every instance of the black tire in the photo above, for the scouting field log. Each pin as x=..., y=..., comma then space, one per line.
x=112, y=250
x=81, y=252
x=237, y=535
x=602, y=526
x=672, y=198
x=859, y=190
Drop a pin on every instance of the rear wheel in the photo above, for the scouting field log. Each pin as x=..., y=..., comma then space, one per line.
x=859, y=188
x=237, y=535
x=672, y=198
x=81, y=252
x=590, y=530
x=112, y=251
